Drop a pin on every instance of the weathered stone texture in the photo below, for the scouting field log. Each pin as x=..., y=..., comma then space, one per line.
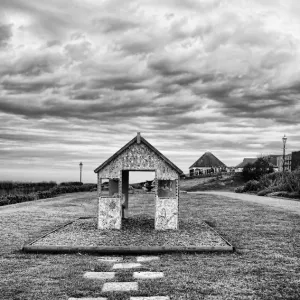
x=109, y=213
x=166, y=213
x=146, y=258
x=148, y=275
x=120, y=286
x=138, y=157
x=126, y=266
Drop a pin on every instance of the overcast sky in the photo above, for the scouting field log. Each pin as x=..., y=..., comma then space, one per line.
x=79, y=78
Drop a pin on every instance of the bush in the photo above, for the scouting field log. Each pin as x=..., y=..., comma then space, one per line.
x=57, y=190
x=252, y=186
x=239, y=189
x=260, y=167
x=16, y=187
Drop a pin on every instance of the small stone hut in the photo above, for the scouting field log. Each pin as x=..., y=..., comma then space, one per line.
x=138, y=155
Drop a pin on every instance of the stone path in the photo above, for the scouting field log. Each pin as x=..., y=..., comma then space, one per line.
x=116, y=264
x=120, y=286
x=126, y=266
x=278, y=203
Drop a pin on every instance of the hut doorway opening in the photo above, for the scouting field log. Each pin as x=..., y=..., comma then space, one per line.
x=138, y=188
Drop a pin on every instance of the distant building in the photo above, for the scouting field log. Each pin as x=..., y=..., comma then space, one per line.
x=207, y=164
x=292, y=161
x=246, y=161
x=273, y=161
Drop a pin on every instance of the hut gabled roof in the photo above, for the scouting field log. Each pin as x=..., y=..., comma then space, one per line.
x=138, y=139
x=208, y=160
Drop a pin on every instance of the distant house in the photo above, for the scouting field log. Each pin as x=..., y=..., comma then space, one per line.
x=246, y=161
x=291, y=161
x=207, y=164
x=272, y=159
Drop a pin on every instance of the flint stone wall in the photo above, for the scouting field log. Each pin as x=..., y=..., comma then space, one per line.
x=166, y=213
x=109, y=213
x=138, y=157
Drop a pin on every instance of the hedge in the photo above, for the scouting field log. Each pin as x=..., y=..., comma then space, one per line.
x=53, y=192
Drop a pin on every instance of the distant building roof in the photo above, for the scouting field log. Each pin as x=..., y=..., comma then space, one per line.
x=273, y=159
x=245, y=162
x=208, y=160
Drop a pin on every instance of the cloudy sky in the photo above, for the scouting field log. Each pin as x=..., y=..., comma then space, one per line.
x=79, y=78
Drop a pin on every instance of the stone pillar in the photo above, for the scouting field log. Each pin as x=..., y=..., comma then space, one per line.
x=125, y=189
x=167, y=208
x=166, y=213
x=109, y=213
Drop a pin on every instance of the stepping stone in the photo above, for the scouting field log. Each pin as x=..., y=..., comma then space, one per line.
x=99, y=275
x=148, y=275
x=119, y=286
x=110, y=259
x=151, y=298
x=146, y=258
x=126, y=265
x=87, y=298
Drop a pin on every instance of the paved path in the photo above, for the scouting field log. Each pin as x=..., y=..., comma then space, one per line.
x=285, y=204
x=116, y=286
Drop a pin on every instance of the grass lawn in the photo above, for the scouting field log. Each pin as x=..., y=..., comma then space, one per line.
x=265, y=266
x=226, y=182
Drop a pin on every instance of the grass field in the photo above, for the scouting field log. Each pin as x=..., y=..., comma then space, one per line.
x=224, y=183
x=265, y=266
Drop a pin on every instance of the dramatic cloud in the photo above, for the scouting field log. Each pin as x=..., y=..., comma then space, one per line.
x=79, y=79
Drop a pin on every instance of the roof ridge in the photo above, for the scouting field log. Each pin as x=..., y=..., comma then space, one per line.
x=209, y=156
x=139, y=139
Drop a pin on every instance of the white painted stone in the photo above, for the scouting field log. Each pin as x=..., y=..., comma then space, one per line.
x=151, y=298
x=126, y=265
x=146, y=258
x=101, y=298
x=148, y=275
x=109, y=259
x=99, y=275
x=120, y=286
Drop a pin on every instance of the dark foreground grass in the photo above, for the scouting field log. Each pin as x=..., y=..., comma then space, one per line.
x=265, y=266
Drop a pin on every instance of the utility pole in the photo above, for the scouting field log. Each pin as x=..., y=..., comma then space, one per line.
x=80, y=168
x=283, y=157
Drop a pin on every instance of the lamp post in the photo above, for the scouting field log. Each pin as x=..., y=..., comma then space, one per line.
x=283, y=157
x=80, y=168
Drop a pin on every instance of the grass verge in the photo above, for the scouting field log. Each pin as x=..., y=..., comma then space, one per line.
x=265, y=266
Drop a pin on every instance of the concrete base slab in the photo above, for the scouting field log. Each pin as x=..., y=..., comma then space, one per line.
x=148, y=275
x=146, y=258
x=99, y=275
x=151, y=298
x=110, y=259
x=126, y=265
x=120, y=286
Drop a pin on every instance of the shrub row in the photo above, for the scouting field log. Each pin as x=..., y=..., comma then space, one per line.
x=282, y=183
x=10, y=186
x=55, y=191
x=71, y=183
